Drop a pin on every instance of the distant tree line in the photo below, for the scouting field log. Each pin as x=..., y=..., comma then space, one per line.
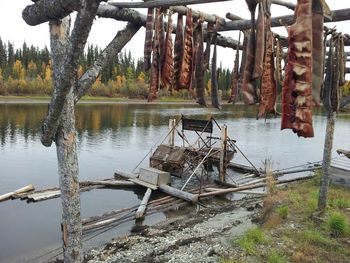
x=27, y=71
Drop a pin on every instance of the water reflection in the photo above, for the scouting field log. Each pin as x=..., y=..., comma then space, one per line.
x=118, y=136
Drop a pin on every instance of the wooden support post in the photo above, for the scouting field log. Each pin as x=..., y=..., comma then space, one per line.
x=172, y=124
x=142, y=208
x=326, y=163
x=222, y=171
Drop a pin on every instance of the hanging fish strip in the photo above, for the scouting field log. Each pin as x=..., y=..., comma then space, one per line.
x=155, y=78
x=333, y=73
x=186, y=63
x=317, y=51
x=260, y=44
x=248, y=84
x=214, y=81
x=235, y=75
x=168, y=67
x=268, y=91
x=148, y=40
x=178, y=51
x=297, y=86
x=161, y=36
x=210, y=36
x=278, y=69
x=199, y=65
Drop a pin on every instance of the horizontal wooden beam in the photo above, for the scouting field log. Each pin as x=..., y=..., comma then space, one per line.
x=289, y=5
x=130, y=15
x=233, y=17
x=337, y=16
x=161, y=3
x=197, y=14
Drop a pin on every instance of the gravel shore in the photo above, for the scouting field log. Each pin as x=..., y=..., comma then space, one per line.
x=200, y=236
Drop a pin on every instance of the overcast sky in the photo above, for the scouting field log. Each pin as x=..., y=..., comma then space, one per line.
x=14, y=29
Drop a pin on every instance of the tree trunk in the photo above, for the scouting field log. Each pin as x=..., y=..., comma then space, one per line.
x=68, y=176
x=327, y=156
x=66, y=151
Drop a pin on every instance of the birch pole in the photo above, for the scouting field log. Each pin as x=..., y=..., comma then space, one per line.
x=326, y=163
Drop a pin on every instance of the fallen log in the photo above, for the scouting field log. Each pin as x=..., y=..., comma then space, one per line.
x=249, y=187
x=142, y=208
x=24, y=189
x=178, y=193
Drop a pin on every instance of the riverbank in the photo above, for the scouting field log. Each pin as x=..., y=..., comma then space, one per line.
x=197, y=236
x=90, y=100
x=99, y=100
x=279, y=228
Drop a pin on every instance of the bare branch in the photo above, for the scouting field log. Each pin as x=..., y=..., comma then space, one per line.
x=116, y=45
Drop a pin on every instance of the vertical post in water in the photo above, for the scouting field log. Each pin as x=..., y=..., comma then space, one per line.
x=172, y=123
x=326, y=163
x=222, y=169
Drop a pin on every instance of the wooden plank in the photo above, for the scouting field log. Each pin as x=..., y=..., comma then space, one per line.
x=142, y=208
x=178, y=193
x=24, y=189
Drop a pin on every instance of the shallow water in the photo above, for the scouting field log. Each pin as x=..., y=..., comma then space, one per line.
x=117, y=137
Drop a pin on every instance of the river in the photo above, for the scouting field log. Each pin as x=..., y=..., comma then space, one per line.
x=118, y=136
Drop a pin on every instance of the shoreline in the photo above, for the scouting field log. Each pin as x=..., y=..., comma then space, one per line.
x=99, y=100
x=198, y=236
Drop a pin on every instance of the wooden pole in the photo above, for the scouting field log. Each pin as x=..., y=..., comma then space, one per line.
x=197, y=14
x=142, y=208
x=178, y=193
x=161, y=3
x=337, y=16
x=172, y=124
x=24, y=189
x=289, y=5
x=233, y=17
x=222, y=171
x=326, y=163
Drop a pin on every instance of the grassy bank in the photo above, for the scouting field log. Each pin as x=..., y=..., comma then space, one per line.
x=289, y=233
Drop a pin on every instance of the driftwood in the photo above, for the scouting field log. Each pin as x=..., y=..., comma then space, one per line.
x=142, y=208
x=46, y=194
x=24, y=189
x=178, y=193
x=252, y=186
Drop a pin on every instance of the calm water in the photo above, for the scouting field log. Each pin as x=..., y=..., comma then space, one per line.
x=119, y=136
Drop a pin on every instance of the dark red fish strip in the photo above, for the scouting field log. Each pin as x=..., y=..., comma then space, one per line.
x=297, y=86
x=148, y=40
